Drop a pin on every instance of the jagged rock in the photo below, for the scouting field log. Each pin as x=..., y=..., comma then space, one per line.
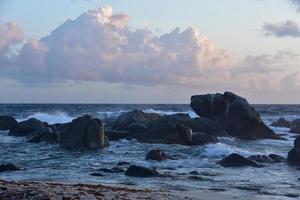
x=281, y=122
x=7, y=123
x=44, y=135
x=27, y=127
x=234, y=114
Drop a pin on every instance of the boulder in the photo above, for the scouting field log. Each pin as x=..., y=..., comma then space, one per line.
x=44, y=135
x=281, y=122
x=8, y=167
x=7, y=123
x=236, y=160
x=83, y=133
x=138, y=171
x=137, y=117
x=295, y=126
x=234, y=114
x=27, y=127
x=293, y=157
x=157, y=155
x=272, y=158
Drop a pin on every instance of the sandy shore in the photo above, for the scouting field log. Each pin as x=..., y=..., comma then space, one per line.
x=12, y=190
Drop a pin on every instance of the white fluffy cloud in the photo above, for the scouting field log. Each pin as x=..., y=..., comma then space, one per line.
x=99, y=46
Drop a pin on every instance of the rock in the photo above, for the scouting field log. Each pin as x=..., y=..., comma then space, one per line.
x=236, y=160
x=96, y=174
x=281, y=122
x=194, y=173
x=234, y=114
x=118, y=134
x=8, y=167
x=112, y=170
x=295, y=126
x=7, y=123
x=138, y=171
x=198, y=178
x=293, y=157
x=44, y=135
x=201, y=138
x=123, y=163
x=157, y=155
x=26, y=127
x=124, y=121
x=272, y=158
x=83, y=133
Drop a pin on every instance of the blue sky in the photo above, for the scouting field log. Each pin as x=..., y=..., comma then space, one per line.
x=235, y=26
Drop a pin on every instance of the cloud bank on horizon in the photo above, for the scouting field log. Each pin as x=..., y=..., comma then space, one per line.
x=99, y=46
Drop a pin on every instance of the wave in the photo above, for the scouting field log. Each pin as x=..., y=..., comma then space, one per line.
x=51, y=118
x=221, y=150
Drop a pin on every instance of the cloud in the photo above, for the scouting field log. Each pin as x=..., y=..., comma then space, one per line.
x=99, y=46
x=282, y=29
x=296, y=3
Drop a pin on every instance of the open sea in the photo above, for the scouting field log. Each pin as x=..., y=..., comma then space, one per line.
x=43, y=162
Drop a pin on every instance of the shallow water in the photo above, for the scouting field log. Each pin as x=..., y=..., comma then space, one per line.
x=49, y=162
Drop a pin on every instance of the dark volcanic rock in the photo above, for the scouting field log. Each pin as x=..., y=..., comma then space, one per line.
x=7, y=122
x=293, y=157
x=83, y=133
x=136, y=117
x=234, y=114
x=236, y=160
x=138, y=171
x=295, y=127
x=8, y=167
x=26, y=127
x=281, y=122
x=157, y=155
x=44, y=135
x=272, y=158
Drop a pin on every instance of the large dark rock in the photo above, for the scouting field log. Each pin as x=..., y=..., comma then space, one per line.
x=138, y=171
x=236, y=160
x=136, y=117
x=157, y=155
x=26, y=127
x=281, y=122
x=295, y=126
x=7, y=122
x=83, y=133
x=44, y=135
x=293, y=157
x=234, y=114
x=8, y=167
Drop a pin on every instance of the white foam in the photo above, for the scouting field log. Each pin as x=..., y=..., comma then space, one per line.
x=220, y=150
x=51, y=118
x=161, y=112
x=110, y=114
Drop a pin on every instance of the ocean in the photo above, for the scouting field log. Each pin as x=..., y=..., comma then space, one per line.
x=44, y=162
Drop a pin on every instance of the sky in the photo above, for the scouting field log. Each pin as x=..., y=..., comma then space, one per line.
x=132, y=51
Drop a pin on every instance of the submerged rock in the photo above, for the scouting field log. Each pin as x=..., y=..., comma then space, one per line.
x=293, y=157
x=138, y=171
x=281, y=122
x=27, y=127
x=272, y=158
x=111, y=170
x=234, y=114
x=157, y=155
x=7, y=122
x=8, y=167
x=236, y=160
x=83, y=133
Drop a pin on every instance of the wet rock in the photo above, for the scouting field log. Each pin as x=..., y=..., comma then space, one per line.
x=157, y=155
x=202, y=138
x=7, y=123
x=134, y=117
x=272, y=158
x=281, y=122
x=83, y=133
x=295, y=127
x=113, y=135
x=138, y=171
x=234, y=114
x=236, y=160
x=194, y=173
x=123, y=163
x=293, y=157
x=27, y=127
x=112, y=170
x=44, y=135
x=8, y=167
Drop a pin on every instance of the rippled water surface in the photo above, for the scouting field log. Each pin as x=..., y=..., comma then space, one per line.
x=49, y=162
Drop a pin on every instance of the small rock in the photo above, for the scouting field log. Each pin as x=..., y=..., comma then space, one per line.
x=112, y=170
x=281, y=122
x=138, y=171
x=236, y=160
x=8, y=167
x=157, y=155
x=123, y=163
x=96, y=174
